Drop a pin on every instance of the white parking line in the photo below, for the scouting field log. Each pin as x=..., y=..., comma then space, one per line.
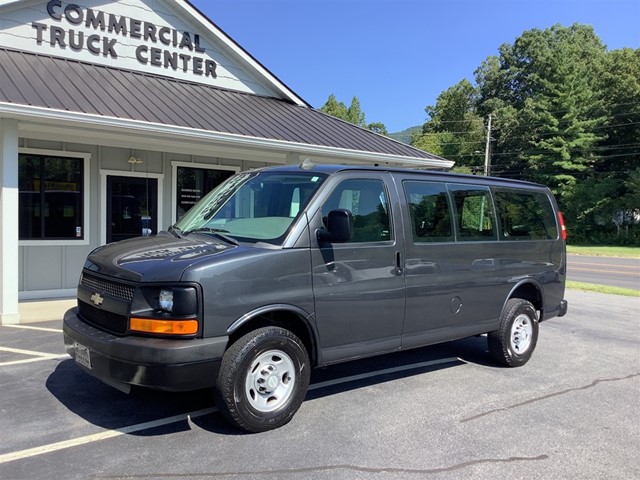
x=74, y=442
x=31, y=360
x=40, y=329
x=40, y=356
x=27, y=352
x=386, y=371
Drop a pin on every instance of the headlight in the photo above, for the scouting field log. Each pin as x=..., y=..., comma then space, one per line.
x=165, y=310
x=166, y=299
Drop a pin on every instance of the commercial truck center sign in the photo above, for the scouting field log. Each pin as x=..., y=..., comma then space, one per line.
x=99, y=33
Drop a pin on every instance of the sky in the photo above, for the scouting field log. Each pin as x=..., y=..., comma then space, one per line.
x=397, y=56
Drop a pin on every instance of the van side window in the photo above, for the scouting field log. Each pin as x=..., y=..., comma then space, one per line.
x=524, y=215
x=368, y=202
x=429, y=211
x=474, y=213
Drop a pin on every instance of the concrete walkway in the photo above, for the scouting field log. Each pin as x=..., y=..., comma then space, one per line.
x=44, y=310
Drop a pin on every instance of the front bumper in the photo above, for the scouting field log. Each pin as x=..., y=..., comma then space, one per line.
x=162, y=364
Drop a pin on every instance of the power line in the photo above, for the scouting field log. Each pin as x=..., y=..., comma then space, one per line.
x=519, y=125
x=609, y=105
x=537, y=135
x=603, y=148
x=541, y=152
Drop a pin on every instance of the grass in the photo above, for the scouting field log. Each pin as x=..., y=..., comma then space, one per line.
x=629, y=252
x=592, y=287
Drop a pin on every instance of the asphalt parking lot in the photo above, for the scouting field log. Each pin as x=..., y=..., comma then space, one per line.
x=442, y=412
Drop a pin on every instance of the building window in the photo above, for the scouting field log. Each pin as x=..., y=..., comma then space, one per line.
x=51, y=197
x=195, y=183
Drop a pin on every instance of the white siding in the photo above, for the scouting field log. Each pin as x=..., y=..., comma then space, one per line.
x=18, y=31
x=45, y=269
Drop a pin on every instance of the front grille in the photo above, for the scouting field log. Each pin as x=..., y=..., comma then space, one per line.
x=103, y=319
x=114, y=289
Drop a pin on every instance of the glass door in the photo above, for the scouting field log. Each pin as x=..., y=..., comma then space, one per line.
x=132, y=206
x=193, y=183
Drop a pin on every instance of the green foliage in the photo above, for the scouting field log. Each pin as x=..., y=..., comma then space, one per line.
x=334, y=108
x=595, y=251
x=548, y=103
x=378, y=127
x=591, y=287
x=406, y=135
x=631, y=198
x=355, y=114
x=565, y=113
x=454, y=129
x=463, y=169
x=352, y=114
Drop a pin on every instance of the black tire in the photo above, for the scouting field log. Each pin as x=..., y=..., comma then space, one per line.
x=263, y=379
x=515, y=340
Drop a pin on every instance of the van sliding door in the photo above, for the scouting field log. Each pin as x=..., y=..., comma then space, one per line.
x=452, y=268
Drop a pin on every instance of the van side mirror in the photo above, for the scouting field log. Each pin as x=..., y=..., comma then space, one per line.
x=339, y=227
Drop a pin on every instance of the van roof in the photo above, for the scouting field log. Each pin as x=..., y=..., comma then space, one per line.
x=330, y=169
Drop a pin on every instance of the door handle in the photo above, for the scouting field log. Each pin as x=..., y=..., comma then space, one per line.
x=398, y=270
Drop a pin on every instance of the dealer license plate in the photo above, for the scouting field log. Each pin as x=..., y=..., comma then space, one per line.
x=83, y=355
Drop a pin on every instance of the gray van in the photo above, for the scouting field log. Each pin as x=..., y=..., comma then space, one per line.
x=282, y=269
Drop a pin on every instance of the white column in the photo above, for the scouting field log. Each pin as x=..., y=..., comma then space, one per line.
x=9, y=222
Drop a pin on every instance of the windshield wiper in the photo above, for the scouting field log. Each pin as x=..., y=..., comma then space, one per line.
x=176, y=231
x=215, y=232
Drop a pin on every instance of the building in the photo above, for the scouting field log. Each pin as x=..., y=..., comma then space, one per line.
x=116, y=117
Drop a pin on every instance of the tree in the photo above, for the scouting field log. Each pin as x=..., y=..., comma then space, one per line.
x=378, y=127
x=565, y=113
x=547, y=86
x=621, y=84
x=334, y=108
x=352, y=114
x=355, y=114
x=454, y=130
x=619, y=152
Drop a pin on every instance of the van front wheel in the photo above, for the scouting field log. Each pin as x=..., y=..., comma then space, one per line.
x=263, y=379
x=515, y=340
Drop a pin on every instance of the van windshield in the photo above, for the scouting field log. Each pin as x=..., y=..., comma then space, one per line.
x=253, y=206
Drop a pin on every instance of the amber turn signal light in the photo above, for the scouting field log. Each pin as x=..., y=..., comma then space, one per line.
x=164, y=327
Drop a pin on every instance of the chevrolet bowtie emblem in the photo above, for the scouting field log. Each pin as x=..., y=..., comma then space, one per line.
x=97, y=299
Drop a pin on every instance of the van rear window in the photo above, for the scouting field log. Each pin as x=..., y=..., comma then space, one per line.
x=519, y=214
x=524, y=215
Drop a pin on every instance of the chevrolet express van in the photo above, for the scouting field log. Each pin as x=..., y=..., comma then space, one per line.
x=283, y=269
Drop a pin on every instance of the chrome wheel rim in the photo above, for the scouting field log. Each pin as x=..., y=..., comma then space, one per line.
x=270, y=381
x=521, y=334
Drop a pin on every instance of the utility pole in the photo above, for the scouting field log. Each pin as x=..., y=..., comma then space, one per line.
x=487, y=160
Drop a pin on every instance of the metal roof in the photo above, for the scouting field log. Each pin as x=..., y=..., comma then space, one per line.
x=78, y=87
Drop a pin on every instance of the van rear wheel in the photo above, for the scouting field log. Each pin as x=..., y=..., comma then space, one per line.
x=263, y=379
x=515, y=340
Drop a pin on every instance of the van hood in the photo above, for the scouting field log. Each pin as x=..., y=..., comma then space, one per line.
x=158, y=258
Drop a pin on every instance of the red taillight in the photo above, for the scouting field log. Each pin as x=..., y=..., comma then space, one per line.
x=563, y=229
